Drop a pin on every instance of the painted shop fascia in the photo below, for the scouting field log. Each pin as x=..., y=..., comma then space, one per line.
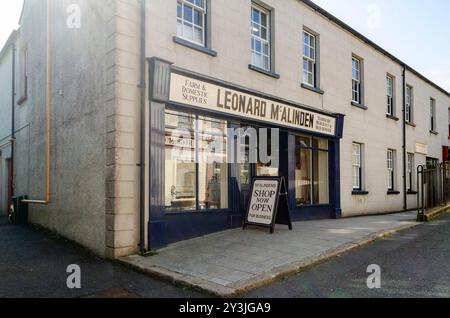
x=174, y=90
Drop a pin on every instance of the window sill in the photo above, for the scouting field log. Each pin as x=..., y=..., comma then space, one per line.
x=355, y=104
x=263, y=71
x=359, y=192
x=411, y=124
x=313, y=89
x=434, y=132
x=22, y=100
x=411, y=192
x=392, y=117
x=391, y=192
x=194, y=46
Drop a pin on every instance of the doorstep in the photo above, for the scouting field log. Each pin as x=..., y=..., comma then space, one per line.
x=432, y=214
x=229, y=263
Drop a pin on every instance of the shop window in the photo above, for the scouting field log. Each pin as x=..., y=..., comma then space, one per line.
x=311, y=171
x=196, y=169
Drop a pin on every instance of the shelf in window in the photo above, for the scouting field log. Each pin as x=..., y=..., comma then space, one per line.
x=194, y=46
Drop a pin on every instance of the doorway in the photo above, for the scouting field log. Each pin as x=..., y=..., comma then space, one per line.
x=248, y=168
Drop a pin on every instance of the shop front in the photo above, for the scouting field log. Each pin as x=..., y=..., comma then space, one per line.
x=209, y=138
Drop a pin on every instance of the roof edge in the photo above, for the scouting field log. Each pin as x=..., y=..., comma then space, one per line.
x=8, y=43
x=369, y=42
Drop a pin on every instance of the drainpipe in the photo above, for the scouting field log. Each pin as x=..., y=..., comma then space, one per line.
x=48, y=100
x=13, y=116
x=142, y=86
x=405, y=187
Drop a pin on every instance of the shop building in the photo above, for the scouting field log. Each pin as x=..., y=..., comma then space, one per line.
x=131, y=112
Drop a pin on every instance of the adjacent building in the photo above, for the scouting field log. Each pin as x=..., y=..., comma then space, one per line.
x=115, y=101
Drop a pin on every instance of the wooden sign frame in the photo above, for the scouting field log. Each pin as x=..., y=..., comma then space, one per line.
x=281, y=213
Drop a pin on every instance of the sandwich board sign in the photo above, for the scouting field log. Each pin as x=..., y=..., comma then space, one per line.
x=268, y=203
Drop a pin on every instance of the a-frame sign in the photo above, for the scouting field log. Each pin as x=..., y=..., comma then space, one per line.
x=268, y=203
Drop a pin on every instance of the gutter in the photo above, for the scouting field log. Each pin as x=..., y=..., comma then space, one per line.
x=142, y=86
x=48, y=107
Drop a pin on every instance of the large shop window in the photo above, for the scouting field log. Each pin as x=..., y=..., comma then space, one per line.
x=196, y=170
x=311, y=171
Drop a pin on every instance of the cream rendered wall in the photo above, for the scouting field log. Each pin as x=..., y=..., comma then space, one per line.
x=231, y=39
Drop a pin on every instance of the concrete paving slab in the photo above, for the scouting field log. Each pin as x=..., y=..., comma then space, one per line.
x=228, y=263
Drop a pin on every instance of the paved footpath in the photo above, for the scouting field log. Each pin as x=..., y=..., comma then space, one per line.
x=33, y=264
x=232, y=262
x=414, y=263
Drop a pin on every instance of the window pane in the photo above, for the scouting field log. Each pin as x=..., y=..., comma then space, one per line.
x=180, y=168
x=255, y=16
x=263, y=19
x=213, y=167
x=198, y=18
x=188, y=31
x=303, y=177
x=188, y=13
x=179, y=10
x=321, y=186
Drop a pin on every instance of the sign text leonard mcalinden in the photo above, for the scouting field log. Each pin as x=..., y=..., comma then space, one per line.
x=186, y=90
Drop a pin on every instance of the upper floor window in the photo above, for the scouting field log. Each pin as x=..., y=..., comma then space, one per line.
x=357, y=166
x=391, y=169
x=410, y=172
x=432, y=114
x=191, y=20
x=309, y=59
x=261, y=37
x=356, y=80
x=409, y=105
x=390, y=95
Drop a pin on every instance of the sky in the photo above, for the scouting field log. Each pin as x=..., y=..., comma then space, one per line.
x=415, y=31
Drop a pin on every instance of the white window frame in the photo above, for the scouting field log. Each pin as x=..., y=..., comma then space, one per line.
x=432, y=114
x=357, y=157
x=310, y=59
x=391, y=169
x=409, y=117
x=182, y=23
x=356, y=80
x=410, y=172
x=258, y=38
x=390, y=93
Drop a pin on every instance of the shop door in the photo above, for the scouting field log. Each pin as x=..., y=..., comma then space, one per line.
x=248, y=170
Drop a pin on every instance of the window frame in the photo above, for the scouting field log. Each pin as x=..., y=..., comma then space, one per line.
x=205, y=17
x=314, y=60
x=269, y=41
x=357, y=80
x=357, y=165
x=391, y=169
x=390, y=94
x=410, y=172
x=433, y=119
x=409, y=104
